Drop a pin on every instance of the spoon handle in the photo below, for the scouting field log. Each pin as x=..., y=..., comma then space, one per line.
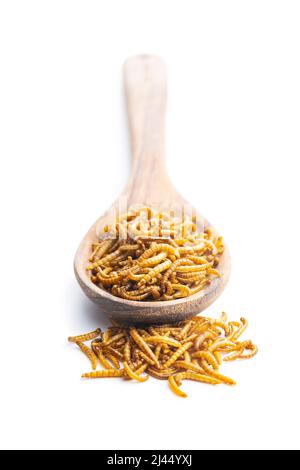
x=145, y=82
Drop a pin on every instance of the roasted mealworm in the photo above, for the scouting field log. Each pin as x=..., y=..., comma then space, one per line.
x=85, y=337
x=160, y=374
x=102, y=359
x=190, y=350
x=162, y=339
x=187, y=365
x=198, y=377
x=100, y=374
x=89, y=353
x=113, y=360
x=216, y=375
x=114, y=338
x=132, y=374
x=180, y=351
x=153, y=273
x=143, y=345
x=174, y=387
x=153, y=261
x=146, y=358
x=208, y=356
x=241, y=329
x=127, y=351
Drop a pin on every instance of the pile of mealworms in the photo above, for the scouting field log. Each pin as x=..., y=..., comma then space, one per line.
x=190, y=350
x=150, y=255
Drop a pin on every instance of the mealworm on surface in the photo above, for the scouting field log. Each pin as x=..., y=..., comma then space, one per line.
x=85, y=337
x=174, y=387
x=193, y=349
x=143, y=345
x=132, y=374
x=99, y=374
x=180, y=351
x=89, y=353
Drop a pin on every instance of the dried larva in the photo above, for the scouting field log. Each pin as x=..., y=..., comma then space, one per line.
x=180, y=351
x=174, y=387
x=102, y=250
x=89, y=353
x=133, y=374
x=108, y=280
x=232, y=356
x=143, y=345
x=103, y=361
x=152, y=261
x=215, y=374
x=240, y=330
x=140, y=369
x=100, y=374
x=187, y=365
x=86, y=336
x=193, y=269
x=208, y=356
x=189, y=350
x=158, y=350
x=181, y=291
x=114, y=339
x=146, y=358
x=187, y=356
x=127, y=351
x=163, y=340
x=161, y=374
x=114, y=352
x=191, y=337
x=113, y=360
x=122, y=292
x=198, y=377
x=95, y=248
x=153, y=273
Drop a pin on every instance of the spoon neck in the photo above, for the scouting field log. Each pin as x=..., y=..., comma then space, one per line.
x=145, y=86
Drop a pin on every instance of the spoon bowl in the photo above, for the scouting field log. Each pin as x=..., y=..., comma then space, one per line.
x=149, y=184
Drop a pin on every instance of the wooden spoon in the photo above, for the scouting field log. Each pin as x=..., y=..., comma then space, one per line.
x=149, y=184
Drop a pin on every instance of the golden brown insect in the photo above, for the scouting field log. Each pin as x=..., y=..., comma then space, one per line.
x=187, y=365
x=180, y=351
x=89, y=353
x=189, y=350
x=136, y=242
x=102, y=250
x=152, y=261
x=99, y=374
x=215, y=374
x=198, y=377
x=208, y=356
x=132, y=374
x=127, y=351
x=146, y=358
x=163, y=340
x=140, y=369
x=153, y=272
x=114, y=338
x=143, y=345
x=174, y=387
x=121, y=292
x=240, y=330
x=161, y=374
x=113, y=360
x=102, y=359
x=85, y=337
x=114, y=352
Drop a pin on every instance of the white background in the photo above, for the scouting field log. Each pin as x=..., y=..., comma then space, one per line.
x=233, y=151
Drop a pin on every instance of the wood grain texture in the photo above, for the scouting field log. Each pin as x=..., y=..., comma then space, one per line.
x=146, y=94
